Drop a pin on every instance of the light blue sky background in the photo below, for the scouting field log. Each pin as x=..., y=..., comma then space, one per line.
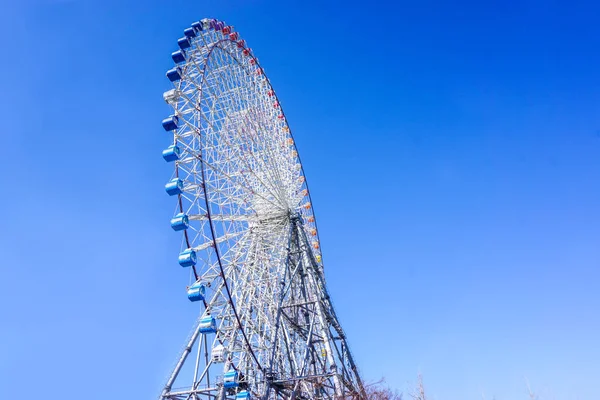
x=452, y=149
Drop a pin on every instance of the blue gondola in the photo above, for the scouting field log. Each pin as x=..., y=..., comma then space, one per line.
x=180, y=222
x=189, y=32
x=187, y=258
x=230, y=379
x=197, y=26
x=171, y=153
x=184, y=43
x=178, y=56
x=243, y=395
x=208, y=324
x=196, y=292
x=170, y=123
x=174, y=74
x=174, y=187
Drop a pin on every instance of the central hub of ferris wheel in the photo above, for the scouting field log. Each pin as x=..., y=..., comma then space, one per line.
x=266, y=327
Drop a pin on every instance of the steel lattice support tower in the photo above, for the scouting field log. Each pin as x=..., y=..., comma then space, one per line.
x=308, y=357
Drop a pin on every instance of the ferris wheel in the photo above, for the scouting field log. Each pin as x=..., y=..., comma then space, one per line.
x=267, y=328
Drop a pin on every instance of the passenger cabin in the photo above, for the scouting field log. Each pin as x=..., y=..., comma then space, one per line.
x=218, y=354
x=187, y=258
x=171, y=96
x=217, y=25
x=170, y=123
x=231, y=379
x=174, y=74
x=178, y=56
x=243, y=395
x=197, y=26
x=174, y=187
x=196, y=292
x=189, y=32
x=184, y=43
x=206, y=23
x=171, y=153
x=180, y=222
x=208, y=324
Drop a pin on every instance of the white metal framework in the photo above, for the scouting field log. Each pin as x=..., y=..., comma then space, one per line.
x=267, y=328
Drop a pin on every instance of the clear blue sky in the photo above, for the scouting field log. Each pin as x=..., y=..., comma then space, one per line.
x=453, y=153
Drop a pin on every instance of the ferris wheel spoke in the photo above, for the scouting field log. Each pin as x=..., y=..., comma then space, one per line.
x=256, y=189
x=248, y=279
x=224, y=79
x=218, y=240
x=249, y=175
x=237, y=182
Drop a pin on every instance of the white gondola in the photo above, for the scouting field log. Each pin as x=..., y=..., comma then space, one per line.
x=171, y=96
x=218, y=354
